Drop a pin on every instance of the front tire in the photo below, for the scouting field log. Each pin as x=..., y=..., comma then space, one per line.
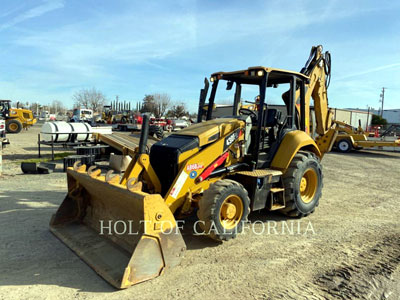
x=303, y=185
x=14, y=126
x=223, y=209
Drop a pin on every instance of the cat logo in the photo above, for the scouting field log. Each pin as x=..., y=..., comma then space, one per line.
x=230, y=139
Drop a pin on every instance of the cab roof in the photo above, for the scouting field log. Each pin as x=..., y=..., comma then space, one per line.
x=250, y=76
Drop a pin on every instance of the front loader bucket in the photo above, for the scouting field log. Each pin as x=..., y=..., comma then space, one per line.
x=125, y=235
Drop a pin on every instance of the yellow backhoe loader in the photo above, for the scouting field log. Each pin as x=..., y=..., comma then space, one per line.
x=16, y=118
x=126, y=227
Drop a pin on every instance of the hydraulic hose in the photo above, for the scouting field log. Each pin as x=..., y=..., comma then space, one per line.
x=144, y=134
x=327, y=66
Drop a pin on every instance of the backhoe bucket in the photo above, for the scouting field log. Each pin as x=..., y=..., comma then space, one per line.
x=127, y=236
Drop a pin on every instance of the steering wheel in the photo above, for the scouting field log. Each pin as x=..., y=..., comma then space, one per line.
x=248, y=112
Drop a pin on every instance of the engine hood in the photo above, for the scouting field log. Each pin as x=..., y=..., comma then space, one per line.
x=209, y=131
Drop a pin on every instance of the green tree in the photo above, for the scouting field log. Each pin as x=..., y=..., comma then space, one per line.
x=149, y=104
x=378, y=120
x=177, y=111
x=157, y=104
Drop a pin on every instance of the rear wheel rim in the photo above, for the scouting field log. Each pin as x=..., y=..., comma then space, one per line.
x=231, y=211
x=343, y=146
x=308, y=185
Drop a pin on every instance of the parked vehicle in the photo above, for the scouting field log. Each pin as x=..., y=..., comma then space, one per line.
x=15, y=118
x=82, y=114
x=179, y=124
x=44, y=115
x=165, y=124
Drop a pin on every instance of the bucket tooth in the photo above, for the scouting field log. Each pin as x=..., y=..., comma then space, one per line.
x=93, y=172
x=134, y=186
x=78, y=167
x=112, y=178
x=126, y=236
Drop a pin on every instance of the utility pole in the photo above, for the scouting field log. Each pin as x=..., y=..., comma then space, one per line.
x=382, y=99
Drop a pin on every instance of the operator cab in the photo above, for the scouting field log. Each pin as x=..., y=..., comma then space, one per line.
x=5, y=106
x=266, y=125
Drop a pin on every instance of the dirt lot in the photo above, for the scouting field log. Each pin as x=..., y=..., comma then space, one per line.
x=351, y=249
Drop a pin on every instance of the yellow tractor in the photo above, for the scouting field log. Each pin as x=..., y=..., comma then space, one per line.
x=128, y=227
x=350, y=138
x=16, y=118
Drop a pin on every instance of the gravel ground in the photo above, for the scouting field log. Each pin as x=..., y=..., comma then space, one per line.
x=348, y=249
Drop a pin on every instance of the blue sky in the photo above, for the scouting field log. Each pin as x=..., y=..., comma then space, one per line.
x=50, y=49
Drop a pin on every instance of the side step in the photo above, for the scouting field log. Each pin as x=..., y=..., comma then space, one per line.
x=265, y=188
x=277, y=198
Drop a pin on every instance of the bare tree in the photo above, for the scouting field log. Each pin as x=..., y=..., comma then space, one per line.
x=57, y=107
x=162, y=102
x=35, y=107
x=90, y=98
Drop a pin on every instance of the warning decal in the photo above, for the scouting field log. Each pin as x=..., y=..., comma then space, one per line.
x=178, y=185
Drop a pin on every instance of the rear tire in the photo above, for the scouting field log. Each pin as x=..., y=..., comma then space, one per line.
x=124, y=120
x=344, y=146
x=156, y=131
x=303, y=185
x=13, y=126
x=223, y=209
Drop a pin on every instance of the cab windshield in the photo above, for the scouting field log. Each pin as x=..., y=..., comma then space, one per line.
x=231, y=94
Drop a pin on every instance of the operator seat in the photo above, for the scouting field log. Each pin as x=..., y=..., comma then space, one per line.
x=273, y=121
x=271, y=124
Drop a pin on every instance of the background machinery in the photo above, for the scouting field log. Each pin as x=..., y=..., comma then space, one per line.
x=128, y=120
x=223, y=168
x=16, y=118
x=350, y=138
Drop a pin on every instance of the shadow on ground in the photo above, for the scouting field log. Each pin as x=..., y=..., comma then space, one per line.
x=22, y=156
x=194, y=239
x=370, y=153
x=31, y=255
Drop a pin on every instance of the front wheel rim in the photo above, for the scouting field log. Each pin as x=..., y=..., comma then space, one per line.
x=308, y=185
x=231, y=211
x=13, y=127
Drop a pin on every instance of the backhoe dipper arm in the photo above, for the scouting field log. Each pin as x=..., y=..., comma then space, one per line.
x=318, y=69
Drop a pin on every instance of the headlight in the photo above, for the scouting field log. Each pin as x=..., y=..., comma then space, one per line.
x=260, y=73
x=212, y=79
